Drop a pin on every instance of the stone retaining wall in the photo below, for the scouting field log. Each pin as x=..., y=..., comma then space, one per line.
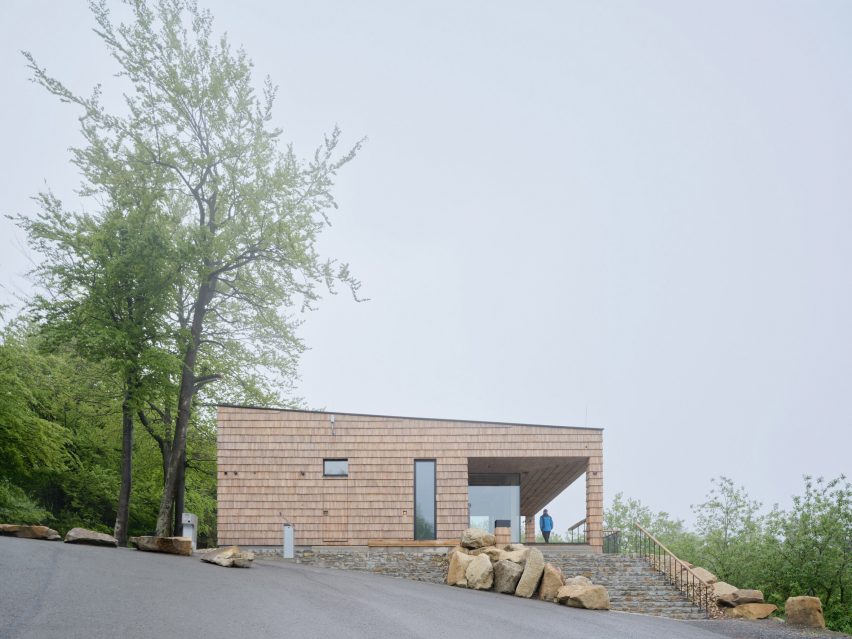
x=419, y=564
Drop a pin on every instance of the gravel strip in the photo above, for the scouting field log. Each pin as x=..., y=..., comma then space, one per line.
x=763, y=629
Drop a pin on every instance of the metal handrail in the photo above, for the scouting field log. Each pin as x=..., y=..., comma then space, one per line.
x=663, y=560
x=577, y=525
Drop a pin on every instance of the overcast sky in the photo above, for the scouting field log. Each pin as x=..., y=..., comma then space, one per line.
x=625, y=215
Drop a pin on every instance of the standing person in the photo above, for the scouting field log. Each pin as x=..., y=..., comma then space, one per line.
x=545, y=522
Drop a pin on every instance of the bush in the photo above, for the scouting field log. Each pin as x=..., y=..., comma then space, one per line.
x=16, y=507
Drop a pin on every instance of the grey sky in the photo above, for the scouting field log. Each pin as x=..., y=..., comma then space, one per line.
x=618, y=214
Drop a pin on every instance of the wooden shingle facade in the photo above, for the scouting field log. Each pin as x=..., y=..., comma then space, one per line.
x=271, y=467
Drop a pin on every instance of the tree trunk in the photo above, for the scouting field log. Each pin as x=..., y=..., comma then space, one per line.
x=180, y=492
x=123, y=510
x=185, y=395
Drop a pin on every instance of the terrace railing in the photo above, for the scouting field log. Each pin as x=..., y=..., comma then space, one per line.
x=576, y=534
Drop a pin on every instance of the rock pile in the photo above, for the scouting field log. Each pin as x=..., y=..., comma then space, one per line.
x=736, y=603
x=513, y=569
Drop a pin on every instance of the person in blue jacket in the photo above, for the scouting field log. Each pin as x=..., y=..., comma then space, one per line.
x=545, y=522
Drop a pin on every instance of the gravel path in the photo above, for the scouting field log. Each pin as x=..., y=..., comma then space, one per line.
x=764, y=629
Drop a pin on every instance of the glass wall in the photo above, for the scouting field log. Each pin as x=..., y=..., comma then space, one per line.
x=424, y=499
x=492, y=497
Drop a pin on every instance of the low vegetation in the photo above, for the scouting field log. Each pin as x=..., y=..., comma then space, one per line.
x=805, y=550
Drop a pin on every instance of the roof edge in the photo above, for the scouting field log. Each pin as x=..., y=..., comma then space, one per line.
x=431, y=419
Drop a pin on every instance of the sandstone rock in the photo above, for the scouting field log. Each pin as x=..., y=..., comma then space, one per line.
x=750, y=611
x=456, y=549
x=584, y=596
x=229, y=557
x=243, y=559
x=29, y=532
x=552, y=580
x=476, y=538
x=532, y=574
x=90, y=537
x=741, y=597
x=506, y=576
x=479, y=573
x=519, y=556
x=724, y=594
x=705, y=575
x=456, y=571
x=170, y=545
x=496, y=554
x=804, y=611
x=513, y=547
x=580, y=580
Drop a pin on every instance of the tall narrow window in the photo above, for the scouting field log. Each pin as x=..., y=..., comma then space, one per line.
x=424, y=499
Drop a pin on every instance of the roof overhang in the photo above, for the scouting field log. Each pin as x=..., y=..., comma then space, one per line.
x=542, y=478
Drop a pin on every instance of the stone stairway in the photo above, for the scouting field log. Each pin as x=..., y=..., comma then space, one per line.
x=633, y=585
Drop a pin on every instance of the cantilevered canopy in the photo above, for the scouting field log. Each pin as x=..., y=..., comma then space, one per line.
x=542, y=478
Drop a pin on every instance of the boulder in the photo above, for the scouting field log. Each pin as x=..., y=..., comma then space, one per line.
x=741, y=597
x=584, y=596
x=578, y=581
x=479, y=573
x=456, y=549
x=29, y=532
x=507, y=574
x=229, y=557
x=723, y=592
x=513, y=547
x=496, y=554
x=750, y=611
x=804, y=611
x=476, y=538
x=552, y=580
x=533, y=570
x=169, y=545
x=90, y=537
x=705, y=575
x=459, y=562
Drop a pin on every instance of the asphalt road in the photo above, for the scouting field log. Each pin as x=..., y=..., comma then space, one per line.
x=51, y=589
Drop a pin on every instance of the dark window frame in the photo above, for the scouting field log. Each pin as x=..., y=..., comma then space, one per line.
x=335, y=459
x=434, y=505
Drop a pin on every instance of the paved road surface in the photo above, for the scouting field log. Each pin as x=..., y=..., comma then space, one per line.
x=51, y=589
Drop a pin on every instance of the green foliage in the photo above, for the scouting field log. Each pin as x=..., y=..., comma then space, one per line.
x=623, y=513
x=731, y=530
x=804, y=551
x=32, y=437
x=16, y=507
x=810, y=549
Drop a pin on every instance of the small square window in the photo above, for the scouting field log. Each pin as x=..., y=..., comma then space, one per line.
x=335, y=468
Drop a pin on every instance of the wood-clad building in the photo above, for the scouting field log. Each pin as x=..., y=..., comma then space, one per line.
x=345, y=479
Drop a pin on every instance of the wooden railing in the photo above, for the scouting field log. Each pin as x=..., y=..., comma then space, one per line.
x=661, y=559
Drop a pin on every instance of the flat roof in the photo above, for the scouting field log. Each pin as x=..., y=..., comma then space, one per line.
x=432, y=419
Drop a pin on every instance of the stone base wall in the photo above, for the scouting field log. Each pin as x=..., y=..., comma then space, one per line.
x=419, y=564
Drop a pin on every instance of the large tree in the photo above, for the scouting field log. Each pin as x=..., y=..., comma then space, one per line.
x=107, y=284
x=250, y=212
